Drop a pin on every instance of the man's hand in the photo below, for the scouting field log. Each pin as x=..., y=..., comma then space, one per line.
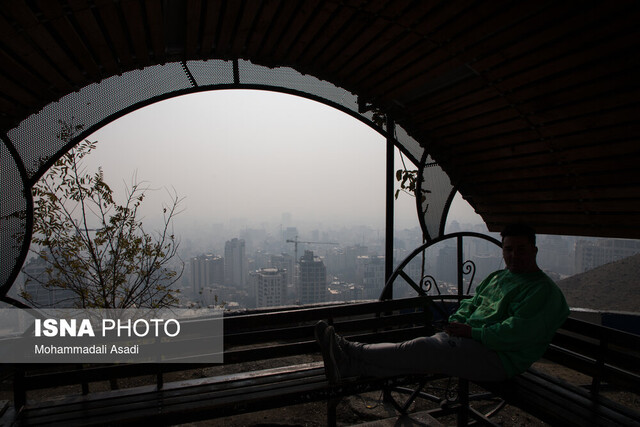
x=458, y=330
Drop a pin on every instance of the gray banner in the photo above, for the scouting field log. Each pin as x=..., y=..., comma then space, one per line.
x=111, y=336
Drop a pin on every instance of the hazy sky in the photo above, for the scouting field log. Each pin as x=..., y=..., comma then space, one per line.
x=255, y=155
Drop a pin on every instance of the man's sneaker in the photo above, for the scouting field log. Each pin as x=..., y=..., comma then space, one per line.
x=318, y=331
x=327, y=340
x=329, y=352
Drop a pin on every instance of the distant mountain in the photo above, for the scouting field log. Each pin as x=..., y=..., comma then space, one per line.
x=613, y=286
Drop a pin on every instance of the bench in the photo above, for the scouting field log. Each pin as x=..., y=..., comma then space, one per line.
x=249, y=338
x=608, y=357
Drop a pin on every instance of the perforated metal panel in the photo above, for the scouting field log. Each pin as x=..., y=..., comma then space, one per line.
x=95, y=105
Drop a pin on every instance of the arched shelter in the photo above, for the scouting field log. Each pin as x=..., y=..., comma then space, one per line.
x=531, y=108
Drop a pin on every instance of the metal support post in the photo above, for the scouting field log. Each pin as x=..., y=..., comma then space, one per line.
x=390, y=175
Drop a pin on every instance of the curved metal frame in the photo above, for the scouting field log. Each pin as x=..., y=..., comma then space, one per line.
x=28, y=182
x=463, y=266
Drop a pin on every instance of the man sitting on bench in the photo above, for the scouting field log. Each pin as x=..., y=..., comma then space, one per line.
x=493, y=336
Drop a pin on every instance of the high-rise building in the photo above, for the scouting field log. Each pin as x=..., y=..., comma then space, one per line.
x=447, y=265
x=370, y=275
x=206, y=271
x=235, y=263
x=312, y=283
x=271, y=287
x=592, y=254
x=284, y=262
x=41, y=296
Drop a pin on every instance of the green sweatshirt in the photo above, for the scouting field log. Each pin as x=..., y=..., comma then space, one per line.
x=516, y=315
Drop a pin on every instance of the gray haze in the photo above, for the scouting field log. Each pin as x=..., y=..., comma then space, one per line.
x=246, y=157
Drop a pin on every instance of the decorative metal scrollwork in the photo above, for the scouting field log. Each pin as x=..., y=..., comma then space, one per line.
x=427, y=282
x=469, y=268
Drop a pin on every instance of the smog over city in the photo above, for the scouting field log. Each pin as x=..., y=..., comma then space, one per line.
x=265, y=178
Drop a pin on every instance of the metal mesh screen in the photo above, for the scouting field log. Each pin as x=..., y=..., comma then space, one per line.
x=13, y=206
x=98, y=104
x=433, y=211
x=35, y=138
x=292, y=79
x=211, y=72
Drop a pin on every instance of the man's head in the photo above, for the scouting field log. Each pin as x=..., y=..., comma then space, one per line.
x=519, y=248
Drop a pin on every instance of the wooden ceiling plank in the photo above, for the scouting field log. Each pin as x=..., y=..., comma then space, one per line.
x=45, y=42
x=17, y=93
x=541, y=154
x=10, y=110
x=506, y=118
x=570, y=218
x=352, y=39
x=601, y=230
x=331, y=33
x=469, y=114
x=22, y=76
x=465, y=118
x=26, y=54
x=455, y=42
x=211, y=23
x=228, y=28
x=596, y=120
x=493, y=129
x=445, y=58
x=54, y=13
x=136, y=24
x=505, y=27
x=552, y=141
x=598, y=79
x=385, y=16
x=608, y=100
x=245, y=26
x=451, y=107
x=299, y=20
x=154, y=18
x=419, y=42
x=93, y=34
x=108, y=12
x=517, y=131
x=609, y=205
x=569, y=25
x=299, y=24
x=517, y=74
x=399, y=32
x=532, y=35
x=193, y=10
x=311, y=18
x=261, y=27
x=370, y=57
x=384, y=67
x=582, y=150
x=281, y=26
x=618, y=170
x=463, y=93
x=532, y=67
x=546, y=195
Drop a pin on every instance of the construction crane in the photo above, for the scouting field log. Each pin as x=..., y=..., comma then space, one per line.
x=296, y=241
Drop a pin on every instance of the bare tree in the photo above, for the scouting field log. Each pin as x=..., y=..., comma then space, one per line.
x=96, y=248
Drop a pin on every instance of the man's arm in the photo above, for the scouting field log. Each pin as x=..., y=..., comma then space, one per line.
x=469, y=305
x=458, y=330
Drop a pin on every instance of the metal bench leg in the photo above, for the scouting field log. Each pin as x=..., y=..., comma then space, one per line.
x=463, y=395
x=332, y=404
